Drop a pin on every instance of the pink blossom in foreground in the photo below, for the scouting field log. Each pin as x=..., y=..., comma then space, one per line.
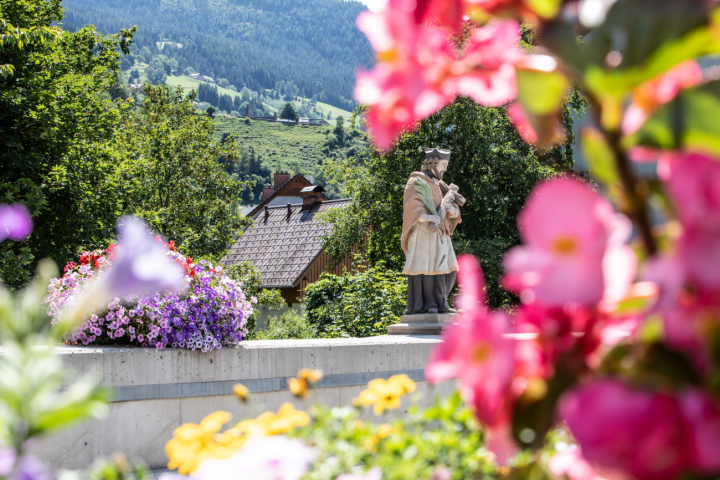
x=624, y=430
x=268, y=458
x=572, y=465
x=372, y=474
x=476, y=351
x=15, y=222
x=418, y=72
x=693, y=180
x=572, y=239
x=651, y=95
x=703, y=422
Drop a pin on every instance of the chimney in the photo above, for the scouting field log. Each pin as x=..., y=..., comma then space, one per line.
x=289, y=207
x=266, y=193
x=280, y=178
x=267, y=212
x=312, y=196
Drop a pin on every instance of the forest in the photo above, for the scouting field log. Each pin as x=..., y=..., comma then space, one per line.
x=315, y=45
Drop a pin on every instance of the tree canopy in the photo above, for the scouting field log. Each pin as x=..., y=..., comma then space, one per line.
x=288, y=112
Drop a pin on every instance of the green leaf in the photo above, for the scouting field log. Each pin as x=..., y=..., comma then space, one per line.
x=599, y=155
x=540, y=92
x=689, y=122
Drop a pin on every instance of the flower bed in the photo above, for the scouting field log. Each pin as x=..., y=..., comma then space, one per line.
x=212, y=312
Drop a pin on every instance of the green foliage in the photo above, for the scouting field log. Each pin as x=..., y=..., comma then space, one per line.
x=490, y=163
x=32, y=402
x=56, y=120
x=359, y=305
x=290, y=325
x=251, y=280
x=314, y=46
x=171, y=176
x=288, y=112
x=426, y=442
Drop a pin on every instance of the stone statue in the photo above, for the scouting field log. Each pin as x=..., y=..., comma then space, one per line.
x=430, y=214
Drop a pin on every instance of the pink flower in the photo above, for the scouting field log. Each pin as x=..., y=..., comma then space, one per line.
x=572, y=240
x=476, y=351
x=703, y=422
x=372, y=474
x=693, y=180
x=571, y=464
x=418, y=72
x=268, y=458
x=627, y=431
x=651, y=95
x=15, y=222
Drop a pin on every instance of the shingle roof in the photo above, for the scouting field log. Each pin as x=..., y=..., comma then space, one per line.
x=279, y=191
x=282, y=246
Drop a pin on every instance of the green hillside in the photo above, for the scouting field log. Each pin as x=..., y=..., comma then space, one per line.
x=269, y=147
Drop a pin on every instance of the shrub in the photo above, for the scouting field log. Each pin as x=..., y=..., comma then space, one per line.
x=248, y=277
x=290, y=325
x=213, y=313
x=359, y=305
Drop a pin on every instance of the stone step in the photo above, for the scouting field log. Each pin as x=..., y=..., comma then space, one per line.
x=428, y=318
x=415, y=329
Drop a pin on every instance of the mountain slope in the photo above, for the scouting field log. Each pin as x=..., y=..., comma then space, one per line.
x=251, y=43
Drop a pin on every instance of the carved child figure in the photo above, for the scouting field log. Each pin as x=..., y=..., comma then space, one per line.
x=430, y=214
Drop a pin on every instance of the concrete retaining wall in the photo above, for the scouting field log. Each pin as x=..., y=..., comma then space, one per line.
x=157, y=390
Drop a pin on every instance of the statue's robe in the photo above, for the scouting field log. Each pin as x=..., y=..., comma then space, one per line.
x=428, y=250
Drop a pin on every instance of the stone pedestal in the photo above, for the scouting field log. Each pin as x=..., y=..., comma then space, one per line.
x=422, y=324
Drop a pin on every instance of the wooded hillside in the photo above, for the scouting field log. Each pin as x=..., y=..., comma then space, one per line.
x=313, y=44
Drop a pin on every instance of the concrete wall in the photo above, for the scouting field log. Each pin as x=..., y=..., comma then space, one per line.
x=157, y=390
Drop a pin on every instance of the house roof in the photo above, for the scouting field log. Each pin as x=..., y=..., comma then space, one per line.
x=282, y=191
x=283, y=246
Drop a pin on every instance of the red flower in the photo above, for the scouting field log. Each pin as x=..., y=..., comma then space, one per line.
x=171, y=245
x=69, y=266
x=188, y=260
x=110, y=252
x=84, y=258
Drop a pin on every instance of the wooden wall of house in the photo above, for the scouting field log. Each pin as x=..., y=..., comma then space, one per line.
x=312, y=274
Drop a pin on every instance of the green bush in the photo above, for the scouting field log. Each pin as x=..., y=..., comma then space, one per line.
x=290, y=325
x=359, y=305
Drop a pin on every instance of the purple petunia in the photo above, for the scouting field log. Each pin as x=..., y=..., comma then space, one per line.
x=15, y=222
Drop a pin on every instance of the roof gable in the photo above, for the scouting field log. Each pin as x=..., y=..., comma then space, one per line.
x=291, y=188
x=283, y=246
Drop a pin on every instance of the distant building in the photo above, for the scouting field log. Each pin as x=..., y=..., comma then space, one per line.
x=304, y=121
x=285, y=243
x=175, y=72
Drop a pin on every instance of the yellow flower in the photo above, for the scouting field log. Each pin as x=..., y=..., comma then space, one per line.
x=270, y=423
x=385, y=394
x=298, y=387
x=312, y=376
x=384, y=430
x=191, y=443
x=371, y=443
x=241, y=391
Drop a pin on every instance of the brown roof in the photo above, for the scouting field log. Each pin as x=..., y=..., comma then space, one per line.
x=283, y=246
x=288, y=188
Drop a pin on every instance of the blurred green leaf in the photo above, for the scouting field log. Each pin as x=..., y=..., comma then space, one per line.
x=599, y=155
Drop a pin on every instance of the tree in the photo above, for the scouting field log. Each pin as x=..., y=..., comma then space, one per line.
x=288, y=112
x=56, y=122
x=339, y=131
x=210, y=111
x=494, y=168
x=223, y=82
x=170, y=174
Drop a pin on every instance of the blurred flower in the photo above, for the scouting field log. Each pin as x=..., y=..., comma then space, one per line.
x=300, y=386
x=15, y=222
x=272, y=458
x=384, y=430
x=191, y=443
x=141, y=266
x=624, y=430
x=648, y=97
x=418, y=72
x=374, y=473
x=572, y=240
x=30, y=468
x=703, y=422
x=241, y=391
x=385, y=394
x=572, y=465
x=270, y=423
x=7, y=460
x=476, y=350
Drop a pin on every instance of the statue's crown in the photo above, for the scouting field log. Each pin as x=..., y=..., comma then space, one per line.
x=437, y=153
